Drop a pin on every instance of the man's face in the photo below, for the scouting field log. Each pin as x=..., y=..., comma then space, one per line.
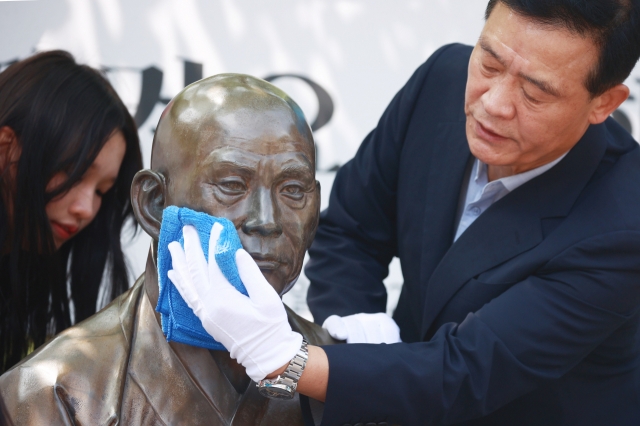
x=254, y=168
x=526, y=102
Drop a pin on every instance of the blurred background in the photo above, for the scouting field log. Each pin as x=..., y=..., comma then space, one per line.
x=341, y=60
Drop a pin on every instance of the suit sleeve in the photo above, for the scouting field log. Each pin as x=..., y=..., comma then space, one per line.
x=356, y=237
x=532, y=334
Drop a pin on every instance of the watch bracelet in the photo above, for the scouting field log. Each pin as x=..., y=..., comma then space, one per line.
x=289, y=378
x=296, y=366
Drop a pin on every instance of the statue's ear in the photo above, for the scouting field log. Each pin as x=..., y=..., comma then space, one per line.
x=147, y=198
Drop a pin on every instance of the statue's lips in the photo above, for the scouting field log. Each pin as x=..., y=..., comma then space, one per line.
x=265, y=262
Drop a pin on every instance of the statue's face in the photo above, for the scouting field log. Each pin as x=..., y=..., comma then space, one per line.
x=251, y=165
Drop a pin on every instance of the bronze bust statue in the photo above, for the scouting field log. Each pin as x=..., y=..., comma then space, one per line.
x=232, y=146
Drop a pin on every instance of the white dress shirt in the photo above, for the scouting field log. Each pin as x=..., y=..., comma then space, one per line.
x=481, y=193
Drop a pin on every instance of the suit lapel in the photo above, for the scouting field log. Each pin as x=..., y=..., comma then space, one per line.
x=512, y=225
x=448, y=162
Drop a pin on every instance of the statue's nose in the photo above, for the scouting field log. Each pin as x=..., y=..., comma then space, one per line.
x=263, y=216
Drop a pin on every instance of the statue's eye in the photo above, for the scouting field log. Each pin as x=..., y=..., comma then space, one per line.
x=293, y=191
x=232, y=187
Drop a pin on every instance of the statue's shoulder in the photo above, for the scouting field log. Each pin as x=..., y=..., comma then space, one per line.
x=315, y=334
x=87, y=359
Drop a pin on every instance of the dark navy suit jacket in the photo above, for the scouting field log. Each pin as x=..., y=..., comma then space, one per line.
x=530, y=318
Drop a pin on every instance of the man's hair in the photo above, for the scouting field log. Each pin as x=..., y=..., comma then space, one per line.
x=614, y=26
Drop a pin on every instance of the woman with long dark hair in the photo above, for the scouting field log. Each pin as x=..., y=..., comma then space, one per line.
x=68, y=152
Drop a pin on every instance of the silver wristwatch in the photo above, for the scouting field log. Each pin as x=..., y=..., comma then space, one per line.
x=284, y=386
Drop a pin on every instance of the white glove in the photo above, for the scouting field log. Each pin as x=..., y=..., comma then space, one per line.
x=363, y=328
x=254, y=329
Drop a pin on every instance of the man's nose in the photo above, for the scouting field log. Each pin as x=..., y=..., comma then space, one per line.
x=262, y=217
x=83, y=204
x=498, y=100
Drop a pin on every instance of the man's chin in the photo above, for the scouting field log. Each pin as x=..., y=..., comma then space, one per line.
x=488, y=153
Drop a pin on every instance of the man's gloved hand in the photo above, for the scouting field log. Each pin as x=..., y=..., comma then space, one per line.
x=363, y=328
x=254, y=329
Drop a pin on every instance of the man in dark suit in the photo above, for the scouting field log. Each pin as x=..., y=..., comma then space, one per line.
x=513, y=203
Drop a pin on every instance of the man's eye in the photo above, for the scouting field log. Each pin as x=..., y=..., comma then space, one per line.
x=489, y=69
x=530, y=99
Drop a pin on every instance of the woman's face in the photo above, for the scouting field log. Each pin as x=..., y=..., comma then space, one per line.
x=70, y=212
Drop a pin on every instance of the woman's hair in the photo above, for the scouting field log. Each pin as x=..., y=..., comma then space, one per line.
x=62, y=114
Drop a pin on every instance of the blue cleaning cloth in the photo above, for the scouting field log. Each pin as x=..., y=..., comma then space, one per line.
x=179, y=323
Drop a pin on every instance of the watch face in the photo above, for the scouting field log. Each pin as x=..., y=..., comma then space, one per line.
x=276, y=391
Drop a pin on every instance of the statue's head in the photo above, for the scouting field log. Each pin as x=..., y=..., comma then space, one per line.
x=235, y=146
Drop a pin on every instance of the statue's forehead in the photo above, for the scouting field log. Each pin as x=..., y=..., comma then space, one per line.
x=266, y=132
x=250, y=158
x=249, y=125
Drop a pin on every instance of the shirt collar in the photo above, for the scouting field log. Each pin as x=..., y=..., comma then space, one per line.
x=512, y=182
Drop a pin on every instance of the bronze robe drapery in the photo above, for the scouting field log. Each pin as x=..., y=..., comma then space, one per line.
x=117, y=368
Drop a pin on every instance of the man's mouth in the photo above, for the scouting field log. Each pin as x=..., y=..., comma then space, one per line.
x=63, y=231
x=488, y=134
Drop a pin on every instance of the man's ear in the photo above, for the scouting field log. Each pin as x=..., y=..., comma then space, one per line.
x=608, y=102
x=148, y=195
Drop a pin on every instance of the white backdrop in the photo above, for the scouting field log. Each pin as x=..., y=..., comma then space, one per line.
x=360, y=51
